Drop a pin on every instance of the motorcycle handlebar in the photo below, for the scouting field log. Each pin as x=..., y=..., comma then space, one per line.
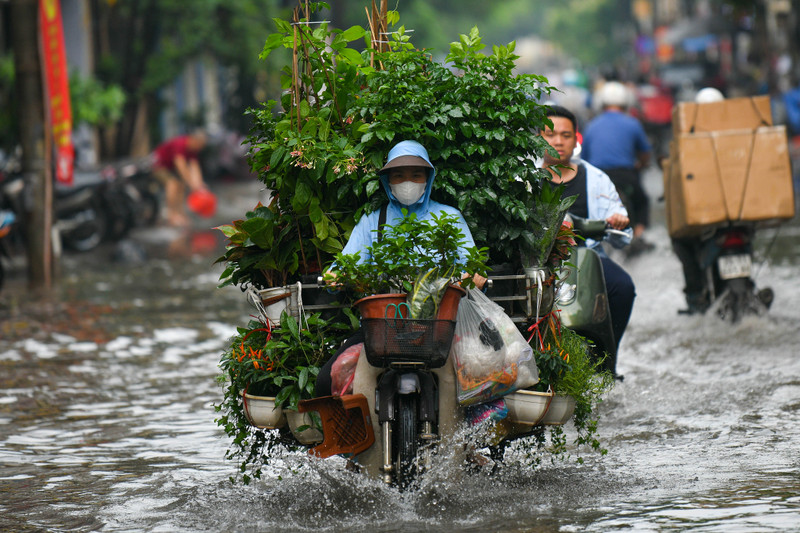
x=595, y=229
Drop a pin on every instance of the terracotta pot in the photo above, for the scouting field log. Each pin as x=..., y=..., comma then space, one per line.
x=375, y=306
x=448, y=308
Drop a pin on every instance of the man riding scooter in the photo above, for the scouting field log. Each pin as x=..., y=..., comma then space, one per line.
x=597, y=198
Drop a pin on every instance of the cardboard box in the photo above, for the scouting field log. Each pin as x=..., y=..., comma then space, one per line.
x=733, y=114
x=737, y=175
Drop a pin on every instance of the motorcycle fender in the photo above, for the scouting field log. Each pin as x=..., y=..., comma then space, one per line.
x=408, y=384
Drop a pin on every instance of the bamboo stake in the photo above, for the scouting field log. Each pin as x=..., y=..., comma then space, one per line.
x=295, y=76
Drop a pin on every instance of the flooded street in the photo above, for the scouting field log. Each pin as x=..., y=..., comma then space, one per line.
x=107, y=388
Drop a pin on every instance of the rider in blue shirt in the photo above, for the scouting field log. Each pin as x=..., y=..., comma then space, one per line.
x=616, y=143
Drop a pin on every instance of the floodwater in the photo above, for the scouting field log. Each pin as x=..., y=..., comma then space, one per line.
x=107, y=388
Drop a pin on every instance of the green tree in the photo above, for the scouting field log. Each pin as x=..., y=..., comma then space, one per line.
x=143, y=45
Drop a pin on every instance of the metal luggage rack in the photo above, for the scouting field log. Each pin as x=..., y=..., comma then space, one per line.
x=270, y=302
x=526, y=300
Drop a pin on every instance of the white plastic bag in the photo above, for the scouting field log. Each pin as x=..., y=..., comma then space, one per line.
x=488, y=350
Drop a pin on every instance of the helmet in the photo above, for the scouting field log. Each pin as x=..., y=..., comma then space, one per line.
x=708, y=95
x=613, y=93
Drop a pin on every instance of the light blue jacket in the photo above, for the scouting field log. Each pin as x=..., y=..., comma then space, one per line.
x=603, y=201
x=365, y=232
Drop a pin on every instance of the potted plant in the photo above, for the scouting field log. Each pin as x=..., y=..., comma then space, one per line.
x=414, y=260
x=278, y=363
x=569, y=370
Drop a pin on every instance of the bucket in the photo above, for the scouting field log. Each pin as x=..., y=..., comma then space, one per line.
x=275, y=300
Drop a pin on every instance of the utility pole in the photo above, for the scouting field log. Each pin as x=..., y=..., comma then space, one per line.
x=32, y=133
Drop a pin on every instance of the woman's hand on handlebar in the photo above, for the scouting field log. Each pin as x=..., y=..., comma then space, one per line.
x=618, y=221
x=477, y=279
x=330, y=280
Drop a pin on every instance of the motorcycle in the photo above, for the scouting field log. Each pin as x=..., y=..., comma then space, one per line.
x=142, y=189
x=579, y=293
x=404, y=401
x=725, y=255
x=582, y=297
x=7, y=218
x=82, y=218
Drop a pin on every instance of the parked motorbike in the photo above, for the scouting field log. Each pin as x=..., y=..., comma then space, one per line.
x=725, y=255
x=142, y=189
x=7, y=218
x=82, y=217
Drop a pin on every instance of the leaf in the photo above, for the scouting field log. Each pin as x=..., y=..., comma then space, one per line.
x=353, y=32
x=290, y=323
x=351, y=56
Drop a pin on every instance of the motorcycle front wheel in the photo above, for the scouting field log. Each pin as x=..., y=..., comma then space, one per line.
x=407, y=442
x=84, y=230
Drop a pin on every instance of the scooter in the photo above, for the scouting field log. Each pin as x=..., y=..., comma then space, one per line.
x=581, y=295
x=7, y=218
x=726, y=258
x=403, y=403
x=82, y=219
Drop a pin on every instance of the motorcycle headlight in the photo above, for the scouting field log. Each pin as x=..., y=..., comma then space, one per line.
x=565, y=293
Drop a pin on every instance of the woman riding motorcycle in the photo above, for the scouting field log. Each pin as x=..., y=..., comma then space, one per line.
x=407, y=178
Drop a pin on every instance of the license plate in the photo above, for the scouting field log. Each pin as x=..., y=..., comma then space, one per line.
x=734, y=266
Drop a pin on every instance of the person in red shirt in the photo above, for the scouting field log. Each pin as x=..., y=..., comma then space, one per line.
x=177, y=166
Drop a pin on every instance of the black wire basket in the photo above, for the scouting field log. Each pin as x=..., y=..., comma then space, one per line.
x=389, y=340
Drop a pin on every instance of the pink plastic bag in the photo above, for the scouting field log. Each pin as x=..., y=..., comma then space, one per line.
x=344, y=370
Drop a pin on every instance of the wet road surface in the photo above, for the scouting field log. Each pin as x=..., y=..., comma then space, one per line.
x=107, y=388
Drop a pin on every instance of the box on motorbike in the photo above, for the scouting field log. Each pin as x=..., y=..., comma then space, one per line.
x=734, y=175
x=732, y=114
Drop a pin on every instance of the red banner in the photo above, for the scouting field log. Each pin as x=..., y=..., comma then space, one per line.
x=57, y=86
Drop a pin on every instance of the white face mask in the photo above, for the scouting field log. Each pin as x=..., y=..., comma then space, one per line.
x=408, y=192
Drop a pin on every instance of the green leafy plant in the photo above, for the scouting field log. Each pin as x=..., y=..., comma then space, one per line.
x=478, y=120
x=410, y=250
x=263, y=250
x=568, y=367
x=95, y=103
x=545, y=216
x=282, y=362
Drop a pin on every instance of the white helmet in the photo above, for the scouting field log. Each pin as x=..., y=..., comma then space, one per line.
x=708, y=95
x=613, y=93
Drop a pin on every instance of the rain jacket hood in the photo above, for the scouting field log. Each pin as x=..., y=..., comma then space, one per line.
x=409, y=148
x=365, y=232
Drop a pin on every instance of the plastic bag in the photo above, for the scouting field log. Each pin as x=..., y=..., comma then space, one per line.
x=517, y=348
x=487, y=352
x=343, y=370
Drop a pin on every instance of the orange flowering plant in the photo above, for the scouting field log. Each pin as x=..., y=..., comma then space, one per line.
x=280, y=361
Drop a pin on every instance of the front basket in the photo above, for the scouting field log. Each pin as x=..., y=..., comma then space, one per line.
x=389, y=340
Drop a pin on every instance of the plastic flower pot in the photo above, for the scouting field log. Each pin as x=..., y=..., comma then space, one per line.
x=261, y=412
x=527, y=407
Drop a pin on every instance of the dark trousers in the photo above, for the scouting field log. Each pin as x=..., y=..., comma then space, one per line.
x=688, y=251
x=629, y=186
x=621, y=294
